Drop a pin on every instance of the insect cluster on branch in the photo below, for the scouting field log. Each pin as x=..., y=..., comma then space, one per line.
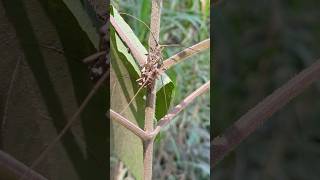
x=151, y=69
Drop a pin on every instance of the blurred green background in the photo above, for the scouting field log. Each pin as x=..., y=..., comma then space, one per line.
x=183, y=150
x=259, y=45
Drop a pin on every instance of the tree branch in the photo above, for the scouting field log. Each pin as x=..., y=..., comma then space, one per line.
x=163, y=121
x=141, y=58
x=195, y=49
x=129, y=125
x=10, y=167
x=253, y=119
x=178, y=108
x=93, y=57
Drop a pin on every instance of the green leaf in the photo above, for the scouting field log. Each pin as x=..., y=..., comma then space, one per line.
x=77, y=9
x=125, y=145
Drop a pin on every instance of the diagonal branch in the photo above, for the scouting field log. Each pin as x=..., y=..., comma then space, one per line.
x=141, y=58
x=129, y=125
x=195, y=49
x=69, y=124
x=178, y=108
x=10, y=167
x=93, y=57
x=9, y=93
x=163, y=121
x=253, y=119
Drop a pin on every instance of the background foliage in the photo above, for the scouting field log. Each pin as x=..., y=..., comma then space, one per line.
x=259, y=45
x=43, y=82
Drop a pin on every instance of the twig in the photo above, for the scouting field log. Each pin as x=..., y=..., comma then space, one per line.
x=141, y=58
x=151, y=90
x=178, y=108
x=6, y=106
x=93, y=57
x=197, y=48
x=13, y=167
x=58, y=50
x=129, y=125
x=69, y=124
x=253, y=119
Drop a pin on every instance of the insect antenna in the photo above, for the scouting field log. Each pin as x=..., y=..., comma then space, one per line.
x=130, y=102
x=142, y=23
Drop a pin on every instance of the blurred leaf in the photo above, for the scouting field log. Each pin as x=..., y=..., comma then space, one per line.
x=46, y=84
x=77, y=9
x=205, y=8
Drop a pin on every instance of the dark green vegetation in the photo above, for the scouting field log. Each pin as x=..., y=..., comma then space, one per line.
x=43, y=82
x=183, y=149
x=259, y=46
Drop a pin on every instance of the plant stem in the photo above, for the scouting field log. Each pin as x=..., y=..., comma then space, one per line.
x=163, y=121
x=253, y=119
x=10, y=167
x=178, y=108
x=129, y=125
x=180, y=56
x=141, y=58
x=151, y=91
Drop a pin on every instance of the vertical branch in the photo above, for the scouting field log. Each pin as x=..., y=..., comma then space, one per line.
x=151, y=91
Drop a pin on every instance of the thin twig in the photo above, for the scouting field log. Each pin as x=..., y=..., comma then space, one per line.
x=141, y=22
x=178, y=108
x=129, y=125
x=141, y=58
x=58, y=50
x=93, y=57
x=13, y=167
x=6, y=106
x=254, y=119
x=133, y=98
x=197, y=48
x=69, y=124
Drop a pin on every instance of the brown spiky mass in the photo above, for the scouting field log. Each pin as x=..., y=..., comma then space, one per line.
x=150, y=71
